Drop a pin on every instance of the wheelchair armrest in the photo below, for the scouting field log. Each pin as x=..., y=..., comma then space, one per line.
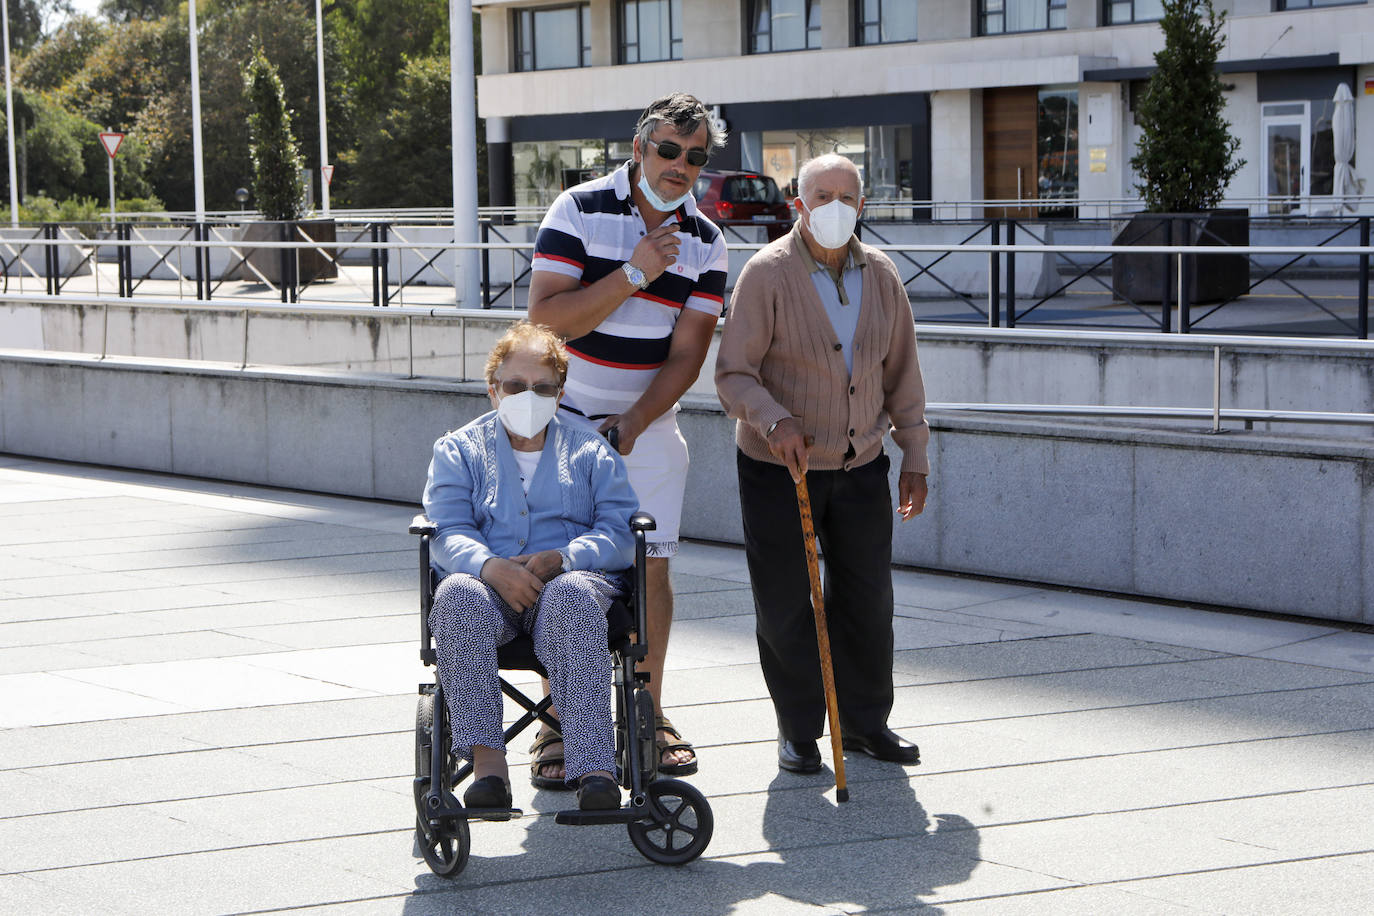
x=422, y=525
x=642, y=521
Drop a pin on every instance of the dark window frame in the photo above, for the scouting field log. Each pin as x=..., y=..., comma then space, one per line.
x=1108, y=5
x=984, y=17
x=861, y=25
x=752, y=32
x=622, y=40
x=522, y=54
x=1283, y=6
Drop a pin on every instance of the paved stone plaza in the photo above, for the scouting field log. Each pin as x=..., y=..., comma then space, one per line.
x=207, y=700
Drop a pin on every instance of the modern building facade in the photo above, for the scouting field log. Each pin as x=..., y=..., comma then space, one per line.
x=947, y=101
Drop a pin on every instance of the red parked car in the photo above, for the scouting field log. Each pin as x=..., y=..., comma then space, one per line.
x=743, y=199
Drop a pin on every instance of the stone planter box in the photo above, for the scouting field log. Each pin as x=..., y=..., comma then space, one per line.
x=1142, y=278
x=311, y=263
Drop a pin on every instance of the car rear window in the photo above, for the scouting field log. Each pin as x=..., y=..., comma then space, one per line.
x=751, y=189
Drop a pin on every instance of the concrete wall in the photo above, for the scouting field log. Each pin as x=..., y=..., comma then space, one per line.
x=1248, y=521
x=960, y=365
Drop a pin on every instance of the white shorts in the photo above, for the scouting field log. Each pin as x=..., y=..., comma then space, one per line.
x=658, y=473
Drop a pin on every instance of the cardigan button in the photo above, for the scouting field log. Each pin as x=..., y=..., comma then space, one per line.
x=839, y=347
x=851, y=389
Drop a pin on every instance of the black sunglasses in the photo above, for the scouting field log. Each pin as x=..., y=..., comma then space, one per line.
x=669, y=150
x=543, y=389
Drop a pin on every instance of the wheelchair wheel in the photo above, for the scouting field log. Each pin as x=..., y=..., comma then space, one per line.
x=679, y=824
x=446, y=849
x=424, y=731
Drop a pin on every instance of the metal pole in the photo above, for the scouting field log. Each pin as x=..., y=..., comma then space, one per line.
x=9, y=118
x=1364, y=280
x=464, y=115
x=995, y=278
x=1011, y=274
x=324, y=133
x=196, y=152
x=112, y=189
x=1216, y=389
x=1164, y=318
x=1186, y=266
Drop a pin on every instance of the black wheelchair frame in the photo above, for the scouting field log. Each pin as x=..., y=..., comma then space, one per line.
x=669, y=821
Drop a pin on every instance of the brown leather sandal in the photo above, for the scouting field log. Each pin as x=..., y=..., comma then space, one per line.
x=663, y=745
x=541, y=757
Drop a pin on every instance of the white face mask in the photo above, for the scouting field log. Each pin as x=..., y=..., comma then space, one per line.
x=658, y=203
x=526, y=414
x=832, y=224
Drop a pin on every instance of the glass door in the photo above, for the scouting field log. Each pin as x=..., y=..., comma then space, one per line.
x=1287, y=156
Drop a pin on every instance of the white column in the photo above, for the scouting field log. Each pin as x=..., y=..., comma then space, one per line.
x=462, y=82
x=324, y=133
x=196, y=151
x=9, y=119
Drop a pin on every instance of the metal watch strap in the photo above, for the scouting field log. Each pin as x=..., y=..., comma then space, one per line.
x=630, y=271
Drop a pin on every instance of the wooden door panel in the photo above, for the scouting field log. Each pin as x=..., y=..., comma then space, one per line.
x=1009, y=144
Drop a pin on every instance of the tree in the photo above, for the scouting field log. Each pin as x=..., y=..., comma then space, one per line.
x=63, y=55
x=277, y=186
x=408, y=158
x=130, y=10
x=1186, y=155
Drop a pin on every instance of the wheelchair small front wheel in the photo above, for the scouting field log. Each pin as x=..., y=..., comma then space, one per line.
x=446, y=848
x=678, y=825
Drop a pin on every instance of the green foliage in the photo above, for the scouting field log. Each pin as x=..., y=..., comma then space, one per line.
x=131, y=10
x=1186, y=155
x=412, y=145
x=277, y=187
x=78, y=209
x=63, y=55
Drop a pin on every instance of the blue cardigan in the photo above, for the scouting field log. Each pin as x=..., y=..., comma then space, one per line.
x=580, y=499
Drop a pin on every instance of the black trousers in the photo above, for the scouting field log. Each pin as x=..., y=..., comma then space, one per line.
x=852, y=512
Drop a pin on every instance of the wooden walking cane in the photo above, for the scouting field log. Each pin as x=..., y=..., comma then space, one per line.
x=813, y=568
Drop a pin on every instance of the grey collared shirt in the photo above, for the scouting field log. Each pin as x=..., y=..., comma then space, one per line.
x=841, y=293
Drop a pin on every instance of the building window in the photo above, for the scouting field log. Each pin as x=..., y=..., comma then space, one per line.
x=883, y=21
x=882, y=153
x=553, y=38
x=1124, y=12
x=1308, y=4
x=1056, y=148
x=998, y=16
x=784, y=25
x=650, y=30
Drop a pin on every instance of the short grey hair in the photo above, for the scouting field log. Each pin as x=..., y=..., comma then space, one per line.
x=823, y=164
x=685, y=114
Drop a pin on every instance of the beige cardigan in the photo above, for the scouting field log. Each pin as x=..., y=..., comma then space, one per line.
x=780, y=357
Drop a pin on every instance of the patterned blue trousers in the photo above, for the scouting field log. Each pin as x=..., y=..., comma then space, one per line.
x=470, y=620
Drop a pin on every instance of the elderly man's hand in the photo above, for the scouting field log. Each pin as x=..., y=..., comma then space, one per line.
x=788, y=444
x=516, y=585
x=911, y=494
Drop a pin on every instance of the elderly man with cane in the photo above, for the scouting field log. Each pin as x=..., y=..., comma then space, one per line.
x=817, y=363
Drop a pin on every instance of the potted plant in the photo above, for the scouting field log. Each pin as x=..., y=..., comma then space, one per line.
x=278, y=188
x=1185, y=158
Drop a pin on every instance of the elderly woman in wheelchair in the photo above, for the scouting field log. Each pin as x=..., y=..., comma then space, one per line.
x=532, y=520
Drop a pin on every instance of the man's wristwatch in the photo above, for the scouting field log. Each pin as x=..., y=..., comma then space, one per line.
x=567, y=559
x=635, y=275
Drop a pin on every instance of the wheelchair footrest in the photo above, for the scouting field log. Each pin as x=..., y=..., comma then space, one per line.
x=578, y=818
x=493, y=814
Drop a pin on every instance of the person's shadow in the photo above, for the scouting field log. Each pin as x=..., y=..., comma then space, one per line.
x=880, y=851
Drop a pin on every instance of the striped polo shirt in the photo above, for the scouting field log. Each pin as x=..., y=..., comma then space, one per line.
x=589, y=232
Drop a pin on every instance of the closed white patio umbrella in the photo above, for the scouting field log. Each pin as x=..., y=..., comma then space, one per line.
x=1343, y=145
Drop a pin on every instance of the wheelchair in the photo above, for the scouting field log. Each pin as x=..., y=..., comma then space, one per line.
x=669, y=821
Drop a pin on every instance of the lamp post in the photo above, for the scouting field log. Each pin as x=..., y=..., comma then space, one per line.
x=324, y=133
x=196, y=152
x=463, y=113
x=9, y=118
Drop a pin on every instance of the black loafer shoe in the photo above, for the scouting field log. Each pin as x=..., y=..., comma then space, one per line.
x=798, y=756
x=488, y=792
x=597, y=793
x=884, y=745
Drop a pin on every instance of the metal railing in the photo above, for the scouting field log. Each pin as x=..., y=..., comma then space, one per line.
x=385, y=264
x=1219, y=345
